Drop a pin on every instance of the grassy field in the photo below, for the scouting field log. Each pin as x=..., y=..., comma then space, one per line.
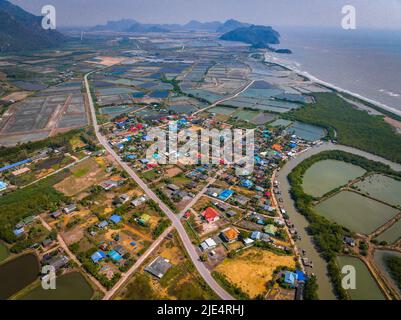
x=354, y=127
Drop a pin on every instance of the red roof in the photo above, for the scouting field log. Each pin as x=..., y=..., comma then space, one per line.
x=139, y=126
x=268, y=194
x=132, y=129
x=210, y=214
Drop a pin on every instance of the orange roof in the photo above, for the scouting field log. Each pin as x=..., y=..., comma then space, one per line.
x=209, y=214
x=231, y=234
x=277, y=147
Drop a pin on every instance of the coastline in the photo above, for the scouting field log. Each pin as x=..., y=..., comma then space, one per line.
x=272, y=59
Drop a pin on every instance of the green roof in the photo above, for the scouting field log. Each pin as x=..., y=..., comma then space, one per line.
x=270, y=229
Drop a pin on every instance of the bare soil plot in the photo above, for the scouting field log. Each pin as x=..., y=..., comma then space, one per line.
x=172, y=172
x=16, y=96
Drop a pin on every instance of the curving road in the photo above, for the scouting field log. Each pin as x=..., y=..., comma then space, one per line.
x=176, y=223
x=319, y=264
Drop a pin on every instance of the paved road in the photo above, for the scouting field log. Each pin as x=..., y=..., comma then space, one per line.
x=137, y=264
x=176, y=223
x=319, y=264
x=226, y=99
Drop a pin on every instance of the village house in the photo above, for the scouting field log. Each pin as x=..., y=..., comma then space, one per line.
x=230, y=234
x=69, y=209
x=210, y=215
x=208, y=244
x=158, y=267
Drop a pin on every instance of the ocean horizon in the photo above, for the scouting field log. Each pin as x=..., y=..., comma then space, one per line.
x=363, y=61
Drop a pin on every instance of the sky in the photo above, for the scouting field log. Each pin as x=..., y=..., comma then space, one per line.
x=375, y=14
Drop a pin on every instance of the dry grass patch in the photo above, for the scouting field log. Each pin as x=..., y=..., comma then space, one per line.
x=253, y=268
x=84, y=175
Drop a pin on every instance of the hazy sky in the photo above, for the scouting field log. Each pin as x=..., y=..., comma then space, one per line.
x=370, y=13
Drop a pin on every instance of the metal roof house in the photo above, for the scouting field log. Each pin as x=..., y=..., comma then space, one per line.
x=3, y=186
x=98, y=256
x=58, y=262
x=69, y=209
x=115, y=218
x=158, y=267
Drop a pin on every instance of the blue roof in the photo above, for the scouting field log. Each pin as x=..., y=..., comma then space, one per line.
x=247, y=183
x=226, y=194
x=290, y=278
x=131, y=156
x=115, y=218
x=256, y=235
x=97, y=256
x=301, y=276
x=3, y=185
x=15, y=164
x=19, y=231
x=113, y=254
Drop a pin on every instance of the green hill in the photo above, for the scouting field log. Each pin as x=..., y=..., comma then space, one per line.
x=21, y=30
x=254, y=35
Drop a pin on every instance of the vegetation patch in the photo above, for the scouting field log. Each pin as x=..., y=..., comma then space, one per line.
x=355, y=128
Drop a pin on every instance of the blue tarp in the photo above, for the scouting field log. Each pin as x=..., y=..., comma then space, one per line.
x=17, y=164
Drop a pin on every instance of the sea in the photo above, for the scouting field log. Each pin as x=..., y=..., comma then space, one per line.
x=362, y=61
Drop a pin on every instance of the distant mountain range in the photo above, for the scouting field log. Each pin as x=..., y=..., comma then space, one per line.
x=21, y=30
x=130, y=25
x=232, y=30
